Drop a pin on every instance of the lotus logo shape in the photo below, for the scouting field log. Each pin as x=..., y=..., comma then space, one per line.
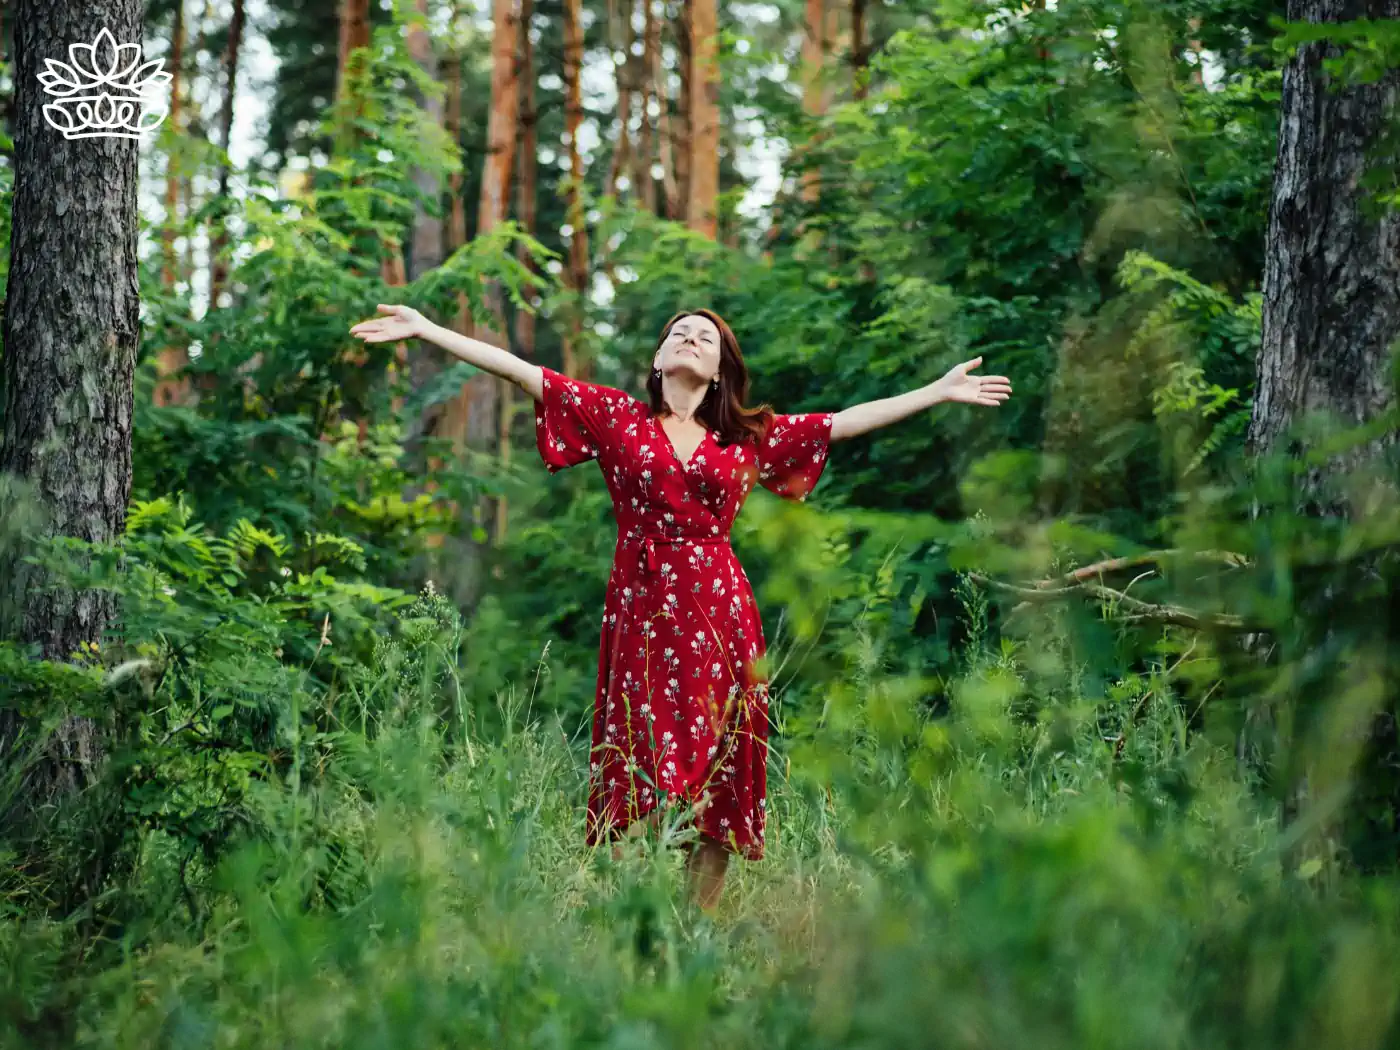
x=100, y=90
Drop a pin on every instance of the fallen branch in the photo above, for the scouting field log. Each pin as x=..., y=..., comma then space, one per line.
x=1133, y=561
x=1139, y=611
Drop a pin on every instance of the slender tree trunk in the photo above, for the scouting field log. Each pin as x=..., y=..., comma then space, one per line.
x=704, y=118
x=525, y=209
x=218, y=261
x=426, y=248
x=620, y=41
x=1331, y=319
x=664, y=129
x=170, y=359
x=354, y=34
x=449, y=418
x=817, y=45
x=71, y=330
x=646, y=144
x=577, y=268
x=860, y=56
x=483, y=390
x=681, y=123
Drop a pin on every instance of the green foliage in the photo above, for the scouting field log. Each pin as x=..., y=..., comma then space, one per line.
x=1009, y=804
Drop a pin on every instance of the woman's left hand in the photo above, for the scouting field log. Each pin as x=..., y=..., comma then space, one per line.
x=957, y=385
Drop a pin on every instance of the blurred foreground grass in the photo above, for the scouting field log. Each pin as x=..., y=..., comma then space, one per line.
x=414, y=894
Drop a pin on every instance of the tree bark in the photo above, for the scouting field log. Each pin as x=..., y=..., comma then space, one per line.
x=1331, y=273
x=646, y=137
x=681, y=123
x=354, y=34
x=704, y=118
x=576, y=271
x=71, y=331
x=622, y=149
x=171, y=359
x=666, y=140
x=426, y=246
x=219, y=265
x=1331, y=313
x=525, y=212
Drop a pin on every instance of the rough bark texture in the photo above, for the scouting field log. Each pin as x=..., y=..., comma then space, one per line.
x=704, y=118
x=1331, y=312
x=1331, y=274
x=71, y=331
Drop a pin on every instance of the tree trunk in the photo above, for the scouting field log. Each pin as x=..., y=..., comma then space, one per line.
x=860, y=56
x=171, y=359
x=680, y=143
x=354, y=34
x=577, y=269
x=426, y=248
x=1331, y=313
x=622, y=149
x=664, y=132
x=1331, y=274
x=525, y=213
x=71, y=330
x=704, y=118
x=483, y=390
x=218, y=262
x=646, y=138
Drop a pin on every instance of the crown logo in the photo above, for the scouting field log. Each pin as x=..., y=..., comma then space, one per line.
x=100, y=93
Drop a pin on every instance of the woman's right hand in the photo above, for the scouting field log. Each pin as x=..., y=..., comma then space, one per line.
x=400, y=322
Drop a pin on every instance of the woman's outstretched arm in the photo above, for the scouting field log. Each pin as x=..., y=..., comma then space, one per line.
x=404, y=322
x=957, y=385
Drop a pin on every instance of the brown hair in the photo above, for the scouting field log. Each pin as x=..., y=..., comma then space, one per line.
x=722, y=409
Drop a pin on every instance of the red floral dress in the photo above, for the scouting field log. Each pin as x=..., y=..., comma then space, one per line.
x=680, y=710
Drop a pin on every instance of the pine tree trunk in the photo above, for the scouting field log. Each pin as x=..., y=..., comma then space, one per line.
x=620, y=41
x=171, y=359
x=704, y=118
x=426, y=248
x=646, y=136
x=1331, y=312
x=664, y=130
x=1331, y=274
x=576, y=271
x=218, y=263
x=354, y=34
x=860, y=56
x=71, y=330
x=525, y=213
x=680, y=124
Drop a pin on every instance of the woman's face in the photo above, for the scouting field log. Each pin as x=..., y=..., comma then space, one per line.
x=692, y=345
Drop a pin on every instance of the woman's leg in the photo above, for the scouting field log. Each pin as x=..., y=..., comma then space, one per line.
x=706, y=865
x=652, y=822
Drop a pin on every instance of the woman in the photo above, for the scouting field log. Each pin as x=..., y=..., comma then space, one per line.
x=681, y=712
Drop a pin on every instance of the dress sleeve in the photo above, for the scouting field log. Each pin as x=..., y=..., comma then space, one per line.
x=792, y=457
x=576, y=420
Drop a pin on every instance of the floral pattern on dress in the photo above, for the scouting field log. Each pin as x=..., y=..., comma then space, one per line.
x=680, y=710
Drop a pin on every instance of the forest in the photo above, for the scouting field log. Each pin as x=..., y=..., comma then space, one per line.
x=1084, y=720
